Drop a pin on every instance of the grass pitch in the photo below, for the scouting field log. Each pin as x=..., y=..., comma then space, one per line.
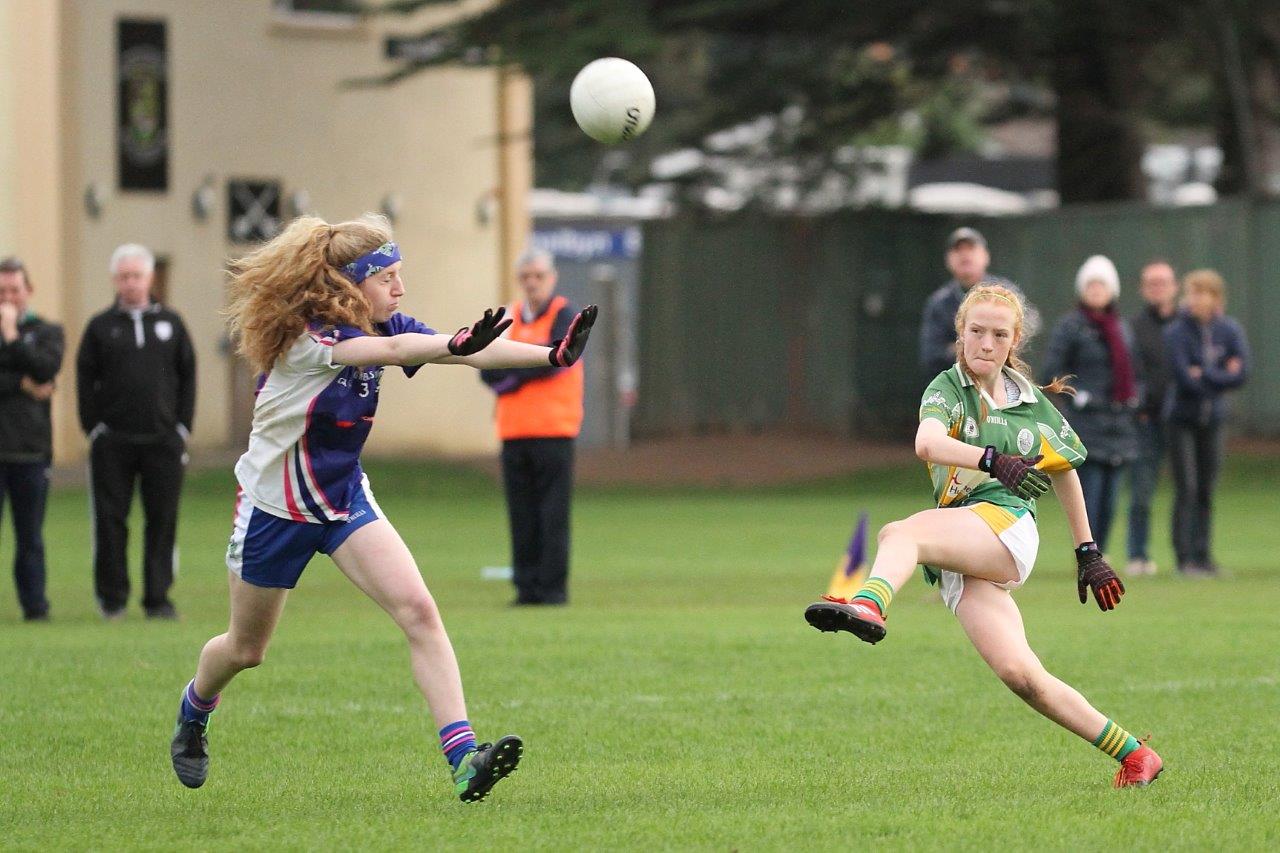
x=680, y=702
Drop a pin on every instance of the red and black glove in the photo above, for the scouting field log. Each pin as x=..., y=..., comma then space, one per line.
x=566, y=351
x=486, y=330
x=1093, y=572
x=1018, y=474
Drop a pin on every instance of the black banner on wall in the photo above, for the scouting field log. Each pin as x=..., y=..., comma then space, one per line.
x=142, y=108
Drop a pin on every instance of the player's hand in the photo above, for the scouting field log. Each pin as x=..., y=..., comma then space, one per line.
x=566, y=351
x=484, y=332
x=1093, y=572
x=1018, y=474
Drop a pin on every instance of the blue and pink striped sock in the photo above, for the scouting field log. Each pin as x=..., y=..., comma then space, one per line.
x=195, y=708
x=456, y=740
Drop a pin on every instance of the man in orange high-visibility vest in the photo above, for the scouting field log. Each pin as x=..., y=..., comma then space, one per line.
x=539, y=413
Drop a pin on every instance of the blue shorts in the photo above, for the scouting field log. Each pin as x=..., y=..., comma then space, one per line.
x=267, y=550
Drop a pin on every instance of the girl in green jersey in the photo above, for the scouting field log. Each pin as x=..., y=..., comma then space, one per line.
x=980, y=421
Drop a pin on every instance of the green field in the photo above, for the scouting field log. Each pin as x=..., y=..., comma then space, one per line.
x=680, y=702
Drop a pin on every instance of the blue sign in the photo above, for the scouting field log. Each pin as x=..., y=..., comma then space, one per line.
x=573, y=243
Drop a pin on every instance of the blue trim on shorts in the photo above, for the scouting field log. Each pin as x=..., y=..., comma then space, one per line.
x=276, y=550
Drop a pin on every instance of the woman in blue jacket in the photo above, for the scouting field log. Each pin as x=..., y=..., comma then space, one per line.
x=1208, y=355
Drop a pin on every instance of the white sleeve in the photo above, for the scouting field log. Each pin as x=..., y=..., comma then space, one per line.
x=312, y=352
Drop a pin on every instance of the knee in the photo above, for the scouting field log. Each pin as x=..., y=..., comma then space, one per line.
x=1023, y=679
x=893, y=530
x=420, y=616
x=248, y=655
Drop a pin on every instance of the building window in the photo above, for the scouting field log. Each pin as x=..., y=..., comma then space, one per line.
x=326, y=14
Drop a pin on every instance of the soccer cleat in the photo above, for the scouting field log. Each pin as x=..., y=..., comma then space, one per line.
x=190, y=751
x=481, y=769
x=857, y=616
x=1139, y=768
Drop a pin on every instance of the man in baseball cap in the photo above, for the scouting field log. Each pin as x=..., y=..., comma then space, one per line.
x=967, y=260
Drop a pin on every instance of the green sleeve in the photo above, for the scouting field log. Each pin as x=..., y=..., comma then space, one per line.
x=1059, y=444
x=941, y=401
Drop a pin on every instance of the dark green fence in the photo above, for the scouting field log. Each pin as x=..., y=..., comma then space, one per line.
x=752, y=322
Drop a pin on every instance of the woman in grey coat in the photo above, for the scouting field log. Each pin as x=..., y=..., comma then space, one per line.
x=1095, y=344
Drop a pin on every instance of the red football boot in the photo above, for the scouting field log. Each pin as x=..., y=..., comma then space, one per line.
x=1140, y=767
x=858, y=616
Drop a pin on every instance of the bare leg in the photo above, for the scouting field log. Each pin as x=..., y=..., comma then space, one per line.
x=955, y=539
x=376, y=560
x=994, y=625
x=255, y=611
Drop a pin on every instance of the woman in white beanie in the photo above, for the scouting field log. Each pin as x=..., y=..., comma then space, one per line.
x=1095, y=344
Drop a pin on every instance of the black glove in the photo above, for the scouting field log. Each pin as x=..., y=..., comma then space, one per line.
x=484, y=332
x=1018, y=474
x=1092, y=571
x=566, y=351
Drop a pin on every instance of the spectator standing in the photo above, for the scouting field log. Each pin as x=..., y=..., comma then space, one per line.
x=539, y=414
x=136, y=384
x=1095, y=344
x=1160, y=303
x=1209, y=356
x=967, y=261
x=30, y=357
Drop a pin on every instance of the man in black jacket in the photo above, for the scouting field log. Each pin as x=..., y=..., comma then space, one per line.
x=30, y=356
x=136, y=383
x=1160, y=304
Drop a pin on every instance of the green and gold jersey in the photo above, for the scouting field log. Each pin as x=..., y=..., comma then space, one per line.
x=1026, y=426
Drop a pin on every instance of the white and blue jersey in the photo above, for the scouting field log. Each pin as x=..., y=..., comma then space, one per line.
x=310, y=423
x=300, y=479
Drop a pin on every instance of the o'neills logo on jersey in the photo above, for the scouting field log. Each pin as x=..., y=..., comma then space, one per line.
x=996, y=419
x=1025, y=440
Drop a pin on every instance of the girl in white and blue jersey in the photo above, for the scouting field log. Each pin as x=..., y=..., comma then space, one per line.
x=316, y=310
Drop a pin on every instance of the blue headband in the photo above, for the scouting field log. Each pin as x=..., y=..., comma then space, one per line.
x=371, y=264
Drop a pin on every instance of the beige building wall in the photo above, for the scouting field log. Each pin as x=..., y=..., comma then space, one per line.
x=254, y=96
x=31, y=190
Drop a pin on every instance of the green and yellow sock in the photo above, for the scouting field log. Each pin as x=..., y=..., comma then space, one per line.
x=878, y=591
x=1115, y=741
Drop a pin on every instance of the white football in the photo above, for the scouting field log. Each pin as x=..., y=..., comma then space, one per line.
x=612, y=100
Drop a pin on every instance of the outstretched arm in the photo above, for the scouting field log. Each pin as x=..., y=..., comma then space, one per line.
x=411, y=348
x=502, y=353
x=480, y=346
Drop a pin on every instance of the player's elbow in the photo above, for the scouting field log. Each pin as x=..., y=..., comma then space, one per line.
x=924, y=447
x=397, y=353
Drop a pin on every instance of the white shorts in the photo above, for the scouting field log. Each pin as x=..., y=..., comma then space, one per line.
x=1019, y=535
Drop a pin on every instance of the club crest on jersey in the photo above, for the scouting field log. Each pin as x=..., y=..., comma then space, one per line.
x=164, y=330
x=1025, y=441
x=970, y=428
